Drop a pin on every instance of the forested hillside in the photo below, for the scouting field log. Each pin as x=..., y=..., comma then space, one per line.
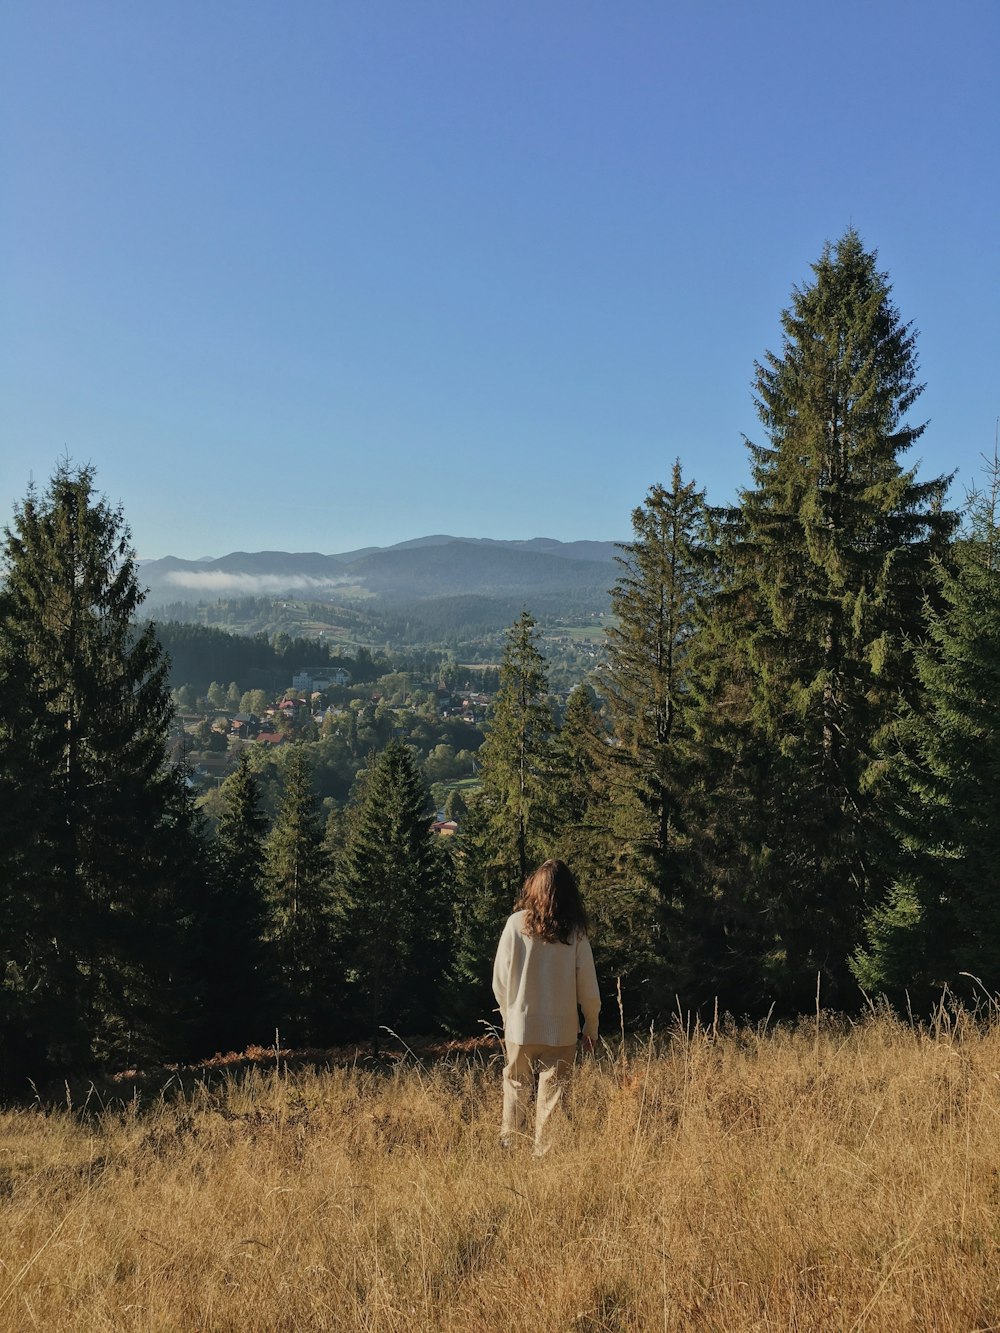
x=455, y=621
x=780, y=779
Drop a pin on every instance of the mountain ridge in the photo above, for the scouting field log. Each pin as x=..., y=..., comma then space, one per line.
x=422, y=567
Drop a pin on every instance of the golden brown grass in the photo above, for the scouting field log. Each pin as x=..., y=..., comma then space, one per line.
x=829, y=1177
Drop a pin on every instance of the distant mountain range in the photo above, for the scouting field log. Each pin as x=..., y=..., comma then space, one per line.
x=437, y=566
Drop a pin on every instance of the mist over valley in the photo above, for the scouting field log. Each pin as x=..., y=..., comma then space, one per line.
x=411, y=571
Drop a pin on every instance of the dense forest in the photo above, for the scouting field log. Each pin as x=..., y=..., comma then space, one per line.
x=198, y=654
x=781, y=780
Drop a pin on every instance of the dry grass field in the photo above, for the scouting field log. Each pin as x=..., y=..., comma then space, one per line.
x=830, y=1177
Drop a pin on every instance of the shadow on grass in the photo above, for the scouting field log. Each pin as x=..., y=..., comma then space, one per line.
x=102, y=1090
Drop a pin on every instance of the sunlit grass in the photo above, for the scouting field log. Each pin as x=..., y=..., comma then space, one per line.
x=827, y=1177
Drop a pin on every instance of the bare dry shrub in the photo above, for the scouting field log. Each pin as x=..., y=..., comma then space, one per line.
x=828, y=1176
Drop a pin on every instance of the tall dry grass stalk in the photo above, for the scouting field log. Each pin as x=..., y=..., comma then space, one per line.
x=843, y=1178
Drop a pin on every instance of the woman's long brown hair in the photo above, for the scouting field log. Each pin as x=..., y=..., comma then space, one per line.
x=552, y=905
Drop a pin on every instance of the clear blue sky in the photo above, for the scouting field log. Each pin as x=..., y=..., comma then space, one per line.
x=317, y=275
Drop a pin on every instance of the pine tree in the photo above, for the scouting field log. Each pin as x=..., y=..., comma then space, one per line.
x=23, y=914
x=514, y=759
x=454, y=805
x=579, y=788
x=665, y=572
x=394, y=900
x=829, y=558
x=92, y=890
x=334, y=836
x=511, y=820
x=239, y=985
x=595, y=807
x=298, y=882
x=942, y=918
x=485, y=888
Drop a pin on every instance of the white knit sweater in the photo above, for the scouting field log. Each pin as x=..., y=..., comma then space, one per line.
x=539, y=985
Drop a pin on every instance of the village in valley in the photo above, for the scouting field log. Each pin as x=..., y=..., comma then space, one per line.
x=341, y=721
x=323, y=708
x=344, y=700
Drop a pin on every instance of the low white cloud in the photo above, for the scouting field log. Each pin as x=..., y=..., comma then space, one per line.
x=215, y=582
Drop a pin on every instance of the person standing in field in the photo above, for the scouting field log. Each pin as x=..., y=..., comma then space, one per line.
x=543, y=976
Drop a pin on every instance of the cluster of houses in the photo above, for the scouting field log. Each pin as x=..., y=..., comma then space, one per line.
x=249, y=727
x=278, y=724
x=469, y=707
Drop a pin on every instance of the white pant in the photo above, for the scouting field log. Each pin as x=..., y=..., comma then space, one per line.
x=553, y=1064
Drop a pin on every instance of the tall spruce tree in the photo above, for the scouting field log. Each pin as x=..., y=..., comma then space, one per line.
x=942, y=918
x=239, y=983
x=22, y=867
x=107, y=852
x=829, y=559
x=394, y=900
x=510, y=824
x=580, y=791
x=596, y=812
x=666, y=571
x=485, y=889
x=515, y=757
x=298, y=882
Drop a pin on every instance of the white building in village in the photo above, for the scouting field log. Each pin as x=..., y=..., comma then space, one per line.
x=319, y=678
